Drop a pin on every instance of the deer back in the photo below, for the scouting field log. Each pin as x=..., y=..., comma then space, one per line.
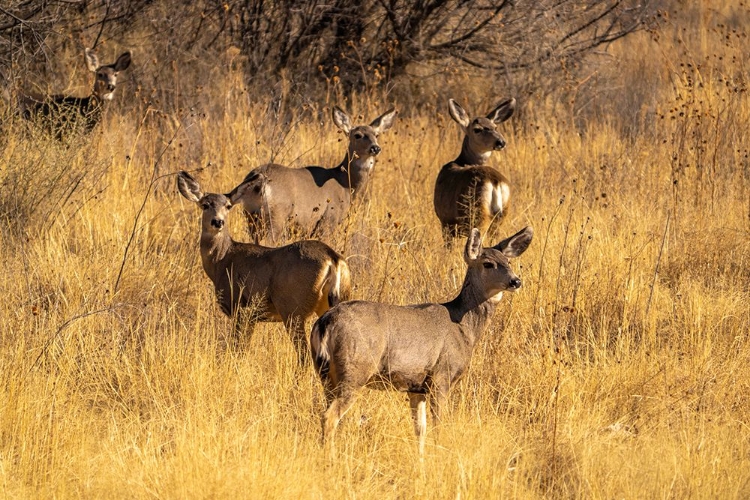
x=275, y=196
x=470, y=196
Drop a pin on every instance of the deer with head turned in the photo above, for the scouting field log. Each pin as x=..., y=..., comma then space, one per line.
x=281, y=201
x=63, y=114
x=421, y=349
x=289, y=283
x=468, y=192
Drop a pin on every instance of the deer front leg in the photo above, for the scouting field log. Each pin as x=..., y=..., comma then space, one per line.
x=439, y=388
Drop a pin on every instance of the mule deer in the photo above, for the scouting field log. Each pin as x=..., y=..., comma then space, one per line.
x=310, y=199
x=62, y=114
x=469, y=193
x=422, y=349
x=286, y=284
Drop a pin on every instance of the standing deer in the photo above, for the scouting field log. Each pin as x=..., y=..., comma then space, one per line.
x=421, y=349
x=469, y=193
x=309, y=200
x=62, y=114
x=286, y=284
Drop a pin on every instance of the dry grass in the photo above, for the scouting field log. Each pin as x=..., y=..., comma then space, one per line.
x=618, y=371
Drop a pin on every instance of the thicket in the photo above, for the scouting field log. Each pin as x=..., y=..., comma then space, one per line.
x=302, y=51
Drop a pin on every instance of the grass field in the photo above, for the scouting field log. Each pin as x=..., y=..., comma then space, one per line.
x=619, y=370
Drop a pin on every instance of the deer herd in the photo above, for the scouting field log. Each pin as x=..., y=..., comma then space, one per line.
x=418, y=349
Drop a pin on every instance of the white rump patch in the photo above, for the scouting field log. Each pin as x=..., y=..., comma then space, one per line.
x=498, y=197
x=337, y=285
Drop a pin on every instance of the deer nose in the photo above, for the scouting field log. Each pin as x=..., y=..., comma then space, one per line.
x=110, y=87
x=499, y=144
x=374, y=150
x=515, y=283
x=217, y=223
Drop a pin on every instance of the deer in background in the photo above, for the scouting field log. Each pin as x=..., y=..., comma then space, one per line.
x=288, y=284
x=422, y=349
x=469, y=193
x=63, y=114
x=281, y=201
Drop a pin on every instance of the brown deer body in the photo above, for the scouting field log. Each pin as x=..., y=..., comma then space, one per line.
x=422, y=349
x=62, y=114
x=469, y=193
x=281, y=202
x=288, y=284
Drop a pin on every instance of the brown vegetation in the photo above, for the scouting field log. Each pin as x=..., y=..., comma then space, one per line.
x=619, y=370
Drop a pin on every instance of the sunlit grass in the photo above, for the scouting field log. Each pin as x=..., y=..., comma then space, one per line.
x=619, y=370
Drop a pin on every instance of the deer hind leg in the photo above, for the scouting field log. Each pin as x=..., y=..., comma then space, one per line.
x=256, y=226
x=295, y=325
x=418, y=403
x=332, y=416
x=451, y=231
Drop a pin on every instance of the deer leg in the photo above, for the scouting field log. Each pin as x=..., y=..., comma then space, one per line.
x=418, y=403
x=296, y=327
x=332, y=416
x=244, y=327
x=438, y=397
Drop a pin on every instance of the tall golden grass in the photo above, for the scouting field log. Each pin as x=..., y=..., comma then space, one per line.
x=620, y=370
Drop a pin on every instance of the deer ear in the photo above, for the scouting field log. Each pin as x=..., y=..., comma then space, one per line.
x=384, y=121
x=516, y=244
x=473, y=246
x=255, y=183
x=458, y=114
x=341, y=119
x=189, y=187
x=503, y=111
x=122, y=62
x=92, y=61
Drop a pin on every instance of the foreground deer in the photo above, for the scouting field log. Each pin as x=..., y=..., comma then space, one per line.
x=469, y=193
x=307, y=200
x=62, y=114
x=422, y=349
x=286, y=284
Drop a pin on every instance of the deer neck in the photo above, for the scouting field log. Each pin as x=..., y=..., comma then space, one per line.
x=470, y=157
x=355, y=171
x=214, y=249
x=471, y=311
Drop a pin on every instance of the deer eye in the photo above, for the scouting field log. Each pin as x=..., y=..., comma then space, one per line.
x=358, y=135
x=489, y=265
x=478, y=130
x=205, y=206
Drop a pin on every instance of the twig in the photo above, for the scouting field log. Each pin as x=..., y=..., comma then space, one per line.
x=63, y=327
x=154, y=178
x=656, y=268
x=101, y=29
